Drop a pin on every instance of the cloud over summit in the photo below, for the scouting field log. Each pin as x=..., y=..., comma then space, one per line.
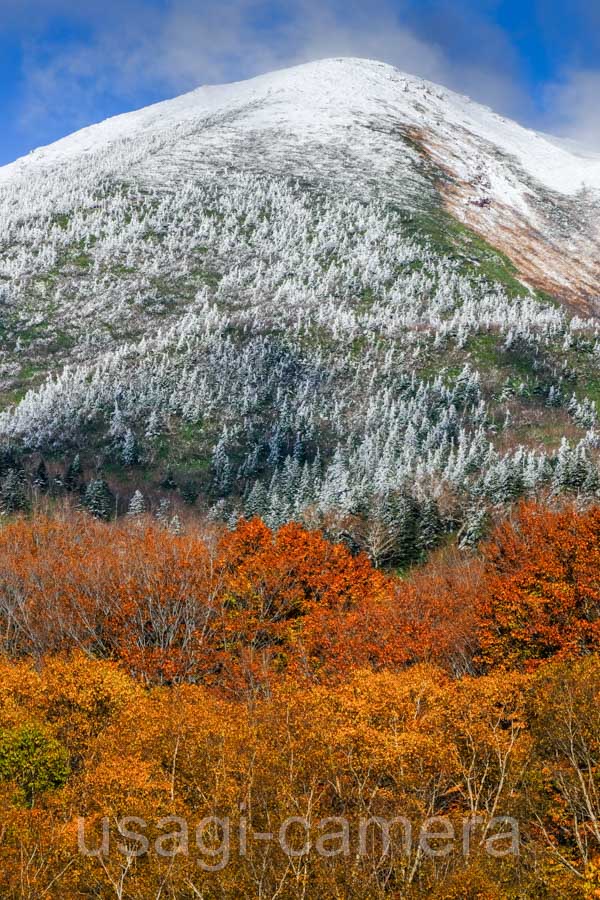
x=80, y=63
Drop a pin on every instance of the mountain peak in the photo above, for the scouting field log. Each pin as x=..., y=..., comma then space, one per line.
x=371, y=127
x=317, y=99
x=275, y=296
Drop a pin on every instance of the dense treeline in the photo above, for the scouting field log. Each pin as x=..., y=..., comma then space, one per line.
x=82, y=739
x=254, y=676
x=244, y=608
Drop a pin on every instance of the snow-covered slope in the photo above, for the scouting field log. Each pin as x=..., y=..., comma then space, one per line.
x=371, y=126
x=285, y=297
x=317, y=101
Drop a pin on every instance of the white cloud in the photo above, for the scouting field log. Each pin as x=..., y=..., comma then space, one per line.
x=223, y=43
x=134, y=48
x=574, y=107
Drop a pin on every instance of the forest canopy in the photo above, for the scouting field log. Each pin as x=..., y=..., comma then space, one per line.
x=246, y=676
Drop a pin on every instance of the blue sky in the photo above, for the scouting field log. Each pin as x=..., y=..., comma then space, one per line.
x=65, y=64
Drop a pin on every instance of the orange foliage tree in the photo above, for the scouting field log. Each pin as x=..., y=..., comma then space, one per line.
x=540, y=597
x=242, y=608
x=226, y=608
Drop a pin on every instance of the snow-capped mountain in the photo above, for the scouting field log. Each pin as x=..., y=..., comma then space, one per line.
x=373, y=128
x=328, y=293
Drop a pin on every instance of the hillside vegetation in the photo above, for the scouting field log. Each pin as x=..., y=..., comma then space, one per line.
x=299, y=501
x=252, y=676
x=219, y=302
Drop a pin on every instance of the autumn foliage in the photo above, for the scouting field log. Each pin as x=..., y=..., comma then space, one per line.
x=236, y=609
x=378, y=745
x=226, y=609
x=542, y=588
x=274, y=674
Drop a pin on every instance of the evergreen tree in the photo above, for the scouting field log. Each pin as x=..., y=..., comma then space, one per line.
x=298, y=451
x=403, y=511
x=305, y=491
x=168, y=482
x=8, y=460
x=175, y=526
x=99, y=499
x=222, y=466
x=12, y=493
x=580, y=469
x=430, y=526
x=474, y=527
x=73, y=474
x=190, y=492
x=275, y=515
x=591, y=485
x=163, y=513
x=275, y=447
x=256, y=502
x=129, y=449
x=153, y=428
x=137, y=505
x=561, y=479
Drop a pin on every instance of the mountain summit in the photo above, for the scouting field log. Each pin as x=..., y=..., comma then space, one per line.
x=334, y=294
x=373, y=128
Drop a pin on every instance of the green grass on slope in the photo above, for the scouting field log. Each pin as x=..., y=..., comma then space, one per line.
x=479, y=259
